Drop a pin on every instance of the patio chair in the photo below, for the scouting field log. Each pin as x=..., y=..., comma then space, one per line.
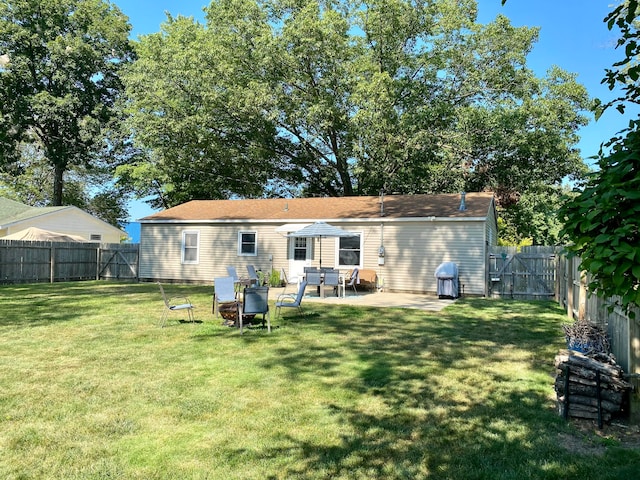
x=255, y=301
x=253, y=275
x=332, y=279
x=175, y=304
x=238, y=281
x=288, y=300
x=294, y=280
x=225, y=298
x=314, y=278
x=353, y=279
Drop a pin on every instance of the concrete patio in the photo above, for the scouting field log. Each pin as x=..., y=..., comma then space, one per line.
x=429, y=302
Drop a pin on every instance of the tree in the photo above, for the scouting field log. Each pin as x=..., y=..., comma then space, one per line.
x=603, y=218
x=59, y=80
x=533, y=219
x=30, y=181
x=347, y=97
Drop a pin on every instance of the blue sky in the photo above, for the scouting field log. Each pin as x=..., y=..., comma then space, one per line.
x=573, y=36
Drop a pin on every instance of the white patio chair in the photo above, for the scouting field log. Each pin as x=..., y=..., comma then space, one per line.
x=175, y=304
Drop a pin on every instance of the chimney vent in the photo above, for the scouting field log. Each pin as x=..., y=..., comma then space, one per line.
x=463, y=205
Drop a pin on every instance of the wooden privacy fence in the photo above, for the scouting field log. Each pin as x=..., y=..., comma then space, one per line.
x=623, y=331
x=546, y=273
x=29, y=262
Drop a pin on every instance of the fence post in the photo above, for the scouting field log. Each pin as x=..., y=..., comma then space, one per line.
x=582, y=298
x=570, y=287
x=98, y=253
x=52, y=264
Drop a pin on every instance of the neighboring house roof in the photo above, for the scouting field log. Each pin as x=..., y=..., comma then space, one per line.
x=15, y=215
x=478, y=205
x=38, y=234
x=13, y=212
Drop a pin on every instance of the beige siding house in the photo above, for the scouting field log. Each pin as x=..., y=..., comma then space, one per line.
x=16, y=217
x=196, y=241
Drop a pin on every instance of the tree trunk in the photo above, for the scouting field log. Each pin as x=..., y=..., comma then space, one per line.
x=58, y=183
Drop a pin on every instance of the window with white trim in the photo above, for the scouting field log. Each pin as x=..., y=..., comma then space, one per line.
x=247, y=243
x=190, y=246
x=350, y=251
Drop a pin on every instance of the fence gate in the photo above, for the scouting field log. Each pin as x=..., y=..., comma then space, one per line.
x=118, y=261
x=528, y=274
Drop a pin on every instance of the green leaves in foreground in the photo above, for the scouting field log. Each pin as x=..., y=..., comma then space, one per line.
x=603, y=222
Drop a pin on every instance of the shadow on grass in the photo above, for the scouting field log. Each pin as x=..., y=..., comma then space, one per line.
x=44, y=304
x=464, y=393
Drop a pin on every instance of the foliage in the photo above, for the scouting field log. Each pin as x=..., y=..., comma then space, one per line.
x=603, y=220
x=59, y=79
x=30, y=181
x=343, y=98
x=93, y=389
x=533, y=219
x=274, y=279
x=627, y=71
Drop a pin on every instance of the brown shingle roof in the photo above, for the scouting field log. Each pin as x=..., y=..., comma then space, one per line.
x=327, y=208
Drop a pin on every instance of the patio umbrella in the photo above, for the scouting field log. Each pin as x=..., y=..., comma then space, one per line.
x=321, y=230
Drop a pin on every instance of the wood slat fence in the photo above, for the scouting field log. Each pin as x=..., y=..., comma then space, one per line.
x=32, y=262
x=623, y=331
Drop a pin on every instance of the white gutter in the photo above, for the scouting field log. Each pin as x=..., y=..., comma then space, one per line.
x=285, y=222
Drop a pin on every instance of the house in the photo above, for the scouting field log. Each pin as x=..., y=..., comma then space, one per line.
x=403, y=238
x=16, y=217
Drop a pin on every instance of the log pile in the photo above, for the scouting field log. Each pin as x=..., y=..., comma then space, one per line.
x=590, y=387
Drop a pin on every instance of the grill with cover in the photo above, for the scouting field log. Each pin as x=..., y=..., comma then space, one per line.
x=447, y=278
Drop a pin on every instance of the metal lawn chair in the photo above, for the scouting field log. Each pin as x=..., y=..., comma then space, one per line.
x=255, y=301
x=239, y=281
x=353, y=280
x=332, y=279
x=175, y=304
x=314, y=278
x=253, y=275
x=288, y=300
x=225, y=296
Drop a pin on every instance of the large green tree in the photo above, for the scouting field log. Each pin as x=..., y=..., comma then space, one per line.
x=59, y=80
x=603, y=217
x=347, y=97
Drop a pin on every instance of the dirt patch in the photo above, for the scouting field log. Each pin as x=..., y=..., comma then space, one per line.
x=589, y=439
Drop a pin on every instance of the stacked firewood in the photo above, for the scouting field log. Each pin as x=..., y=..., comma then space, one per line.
x=590, y=387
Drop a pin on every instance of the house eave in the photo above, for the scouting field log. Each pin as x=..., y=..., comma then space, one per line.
x=311, y=220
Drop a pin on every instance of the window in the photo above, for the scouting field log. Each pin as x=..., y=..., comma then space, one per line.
x=300, y=248
x=350, y=251
x=247, y=243
x=190, y=246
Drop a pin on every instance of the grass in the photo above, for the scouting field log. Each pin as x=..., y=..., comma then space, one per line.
x=91, y=388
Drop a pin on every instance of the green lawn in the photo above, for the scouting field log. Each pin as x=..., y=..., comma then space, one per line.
x=91, y=388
